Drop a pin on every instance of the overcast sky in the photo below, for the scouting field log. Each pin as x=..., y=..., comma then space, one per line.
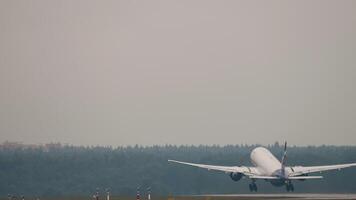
x=178, y=72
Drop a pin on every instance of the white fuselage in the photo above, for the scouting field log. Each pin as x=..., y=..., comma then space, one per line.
x=265, y=162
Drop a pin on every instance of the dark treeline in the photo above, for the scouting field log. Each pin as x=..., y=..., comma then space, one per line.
x=68, y=170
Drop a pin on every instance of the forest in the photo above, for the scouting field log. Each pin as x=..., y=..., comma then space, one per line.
x=64, y=170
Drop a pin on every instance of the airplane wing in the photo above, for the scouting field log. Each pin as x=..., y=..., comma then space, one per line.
x=299, y=170
x=248, y=171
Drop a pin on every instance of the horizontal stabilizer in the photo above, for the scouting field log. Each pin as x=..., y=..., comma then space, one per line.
x=263, y=177
x=304, y=177
x=289, y=178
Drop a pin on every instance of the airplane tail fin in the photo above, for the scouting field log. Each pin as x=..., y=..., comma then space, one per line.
x=284, y=158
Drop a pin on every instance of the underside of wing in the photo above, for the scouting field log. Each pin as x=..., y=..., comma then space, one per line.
x=296, y=171
x=233, y=169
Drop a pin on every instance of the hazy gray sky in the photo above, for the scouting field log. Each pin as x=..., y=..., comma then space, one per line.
x=178, y=72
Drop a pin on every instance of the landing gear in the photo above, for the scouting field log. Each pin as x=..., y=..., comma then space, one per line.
x=289, y=187
x=253, y=187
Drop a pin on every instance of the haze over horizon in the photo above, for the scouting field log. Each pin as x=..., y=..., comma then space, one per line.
x=178, y=72
x=17, y=144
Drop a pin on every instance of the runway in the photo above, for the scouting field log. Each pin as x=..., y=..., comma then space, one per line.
x=279, y=196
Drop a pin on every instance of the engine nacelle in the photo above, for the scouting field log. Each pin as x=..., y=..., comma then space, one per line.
x=236, y=176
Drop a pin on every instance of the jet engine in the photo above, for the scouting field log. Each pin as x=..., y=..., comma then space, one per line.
x=236, y=176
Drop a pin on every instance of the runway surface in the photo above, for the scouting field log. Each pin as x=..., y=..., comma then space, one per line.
x=281, y=196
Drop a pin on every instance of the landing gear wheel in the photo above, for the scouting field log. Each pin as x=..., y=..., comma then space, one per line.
x=289, y=187
x=252, y=187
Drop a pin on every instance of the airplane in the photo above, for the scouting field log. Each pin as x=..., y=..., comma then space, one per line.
x=267, y=167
